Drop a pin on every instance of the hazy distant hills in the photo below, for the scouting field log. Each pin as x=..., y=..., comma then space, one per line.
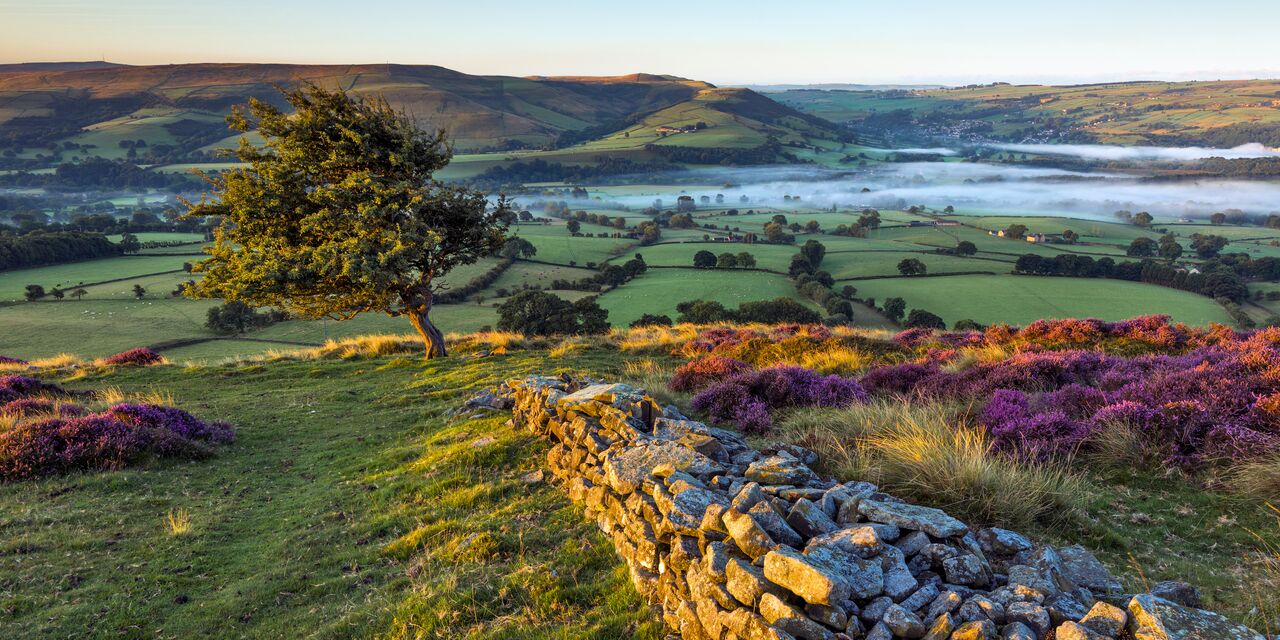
x=1216, y=114
x=99, y=109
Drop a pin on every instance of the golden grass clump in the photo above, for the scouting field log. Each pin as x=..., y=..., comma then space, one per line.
x=1260, y=478
x=653, y=376
x=929, y=452
x=493, y=341
x=655, y=338
x=178, y=522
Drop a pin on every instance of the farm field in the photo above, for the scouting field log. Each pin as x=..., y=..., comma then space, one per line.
x=13, y=283
x=1023, y=299
x=658, y=291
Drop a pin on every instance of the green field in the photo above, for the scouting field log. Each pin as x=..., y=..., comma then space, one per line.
x=658, y=291
x=1023, y=299
x=13, y=283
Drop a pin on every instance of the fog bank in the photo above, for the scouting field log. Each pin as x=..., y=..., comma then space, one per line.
x=1156, y=154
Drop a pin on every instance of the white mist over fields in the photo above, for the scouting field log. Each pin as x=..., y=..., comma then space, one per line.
x=1008, y=189
x=1156, y=154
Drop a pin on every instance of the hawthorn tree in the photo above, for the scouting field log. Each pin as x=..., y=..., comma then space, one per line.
x=338, y=214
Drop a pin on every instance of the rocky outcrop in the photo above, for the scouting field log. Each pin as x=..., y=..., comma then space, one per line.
x=729, y=542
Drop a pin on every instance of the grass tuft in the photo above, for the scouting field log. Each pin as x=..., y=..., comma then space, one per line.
x=928, y=452
x=178, y=522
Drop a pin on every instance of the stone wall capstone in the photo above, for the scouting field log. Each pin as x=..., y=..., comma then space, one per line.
x=730, y=542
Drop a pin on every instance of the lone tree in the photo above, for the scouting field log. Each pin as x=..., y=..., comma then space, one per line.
x=912, y=267
x=139, y=292
x=339, y=214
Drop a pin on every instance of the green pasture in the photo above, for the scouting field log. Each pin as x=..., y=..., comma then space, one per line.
x=658, y=291
x=72, y=275
x=1024, y=299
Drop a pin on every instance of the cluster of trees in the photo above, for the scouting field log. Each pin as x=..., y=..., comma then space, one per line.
x=778, y=310
x=896, y=308
x=869, y=219
x=539, y=313
x=706, y=260
x=103, y=174
x=962, y=248
x=542, y=171
x=43, y=248
x=1215, y=279
x=236, y=317
x=770, y=152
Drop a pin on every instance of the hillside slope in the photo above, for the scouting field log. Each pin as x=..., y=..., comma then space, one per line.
x=183, y=105
x=1218, y=114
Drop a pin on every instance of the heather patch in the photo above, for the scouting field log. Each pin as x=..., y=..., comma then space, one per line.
x=749, y=399
x=139, y=357
x=45, y=432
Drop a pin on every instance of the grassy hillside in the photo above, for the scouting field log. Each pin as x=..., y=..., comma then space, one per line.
x=353, y=505
x=183, y=105
x=1220, y=114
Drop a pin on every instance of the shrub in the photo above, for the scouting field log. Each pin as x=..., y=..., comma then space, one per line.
x=122, y=435
x=8, y=360
x=698, y=374
x=749, y=398
x=141, y=357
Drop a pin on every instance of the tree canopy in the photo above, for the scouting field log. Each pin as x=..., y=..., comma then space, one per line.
x=339, y=213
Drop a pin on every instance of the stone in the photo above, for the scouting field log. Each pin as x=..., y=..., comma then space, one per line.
x=809, y=520
x=899, y=582
x=879, y=632
x=1064, y=607
x=975, y=630
x=779, y=470
x=913, y=542
x=978, y=608
x=1075, y=631
x=934, y=522
x=1017, y=631
x=775, y=525
x=966, y=569
x=833, y=617
x=874, y=610
x=859, y=541
x=1003, y=542
x=1154, y=618
x=745, y=582
x=903, y=623
x=941, y=628
x=1105, y=619
x=792, y=620
x=747, y=533
x=946, y=602
x=716, y=559
x=626, y=470
x=1179, y=592
x=805, y=577
x=1030, y=614
x=864, y=576
x=1082, y=568
x=747, y=497
x=922, y=597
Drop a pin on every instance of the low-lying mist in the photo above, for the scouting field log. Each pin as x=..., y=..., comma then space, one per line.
x=968, y=186
x=1157, y=154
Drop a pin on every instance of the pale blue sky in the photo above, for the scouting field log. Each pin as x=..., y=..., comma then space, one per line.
x=725, y=42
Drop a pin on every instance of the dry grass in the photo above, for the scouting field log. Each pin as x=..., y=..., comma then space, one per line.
x=653, y=376
x=1260, y=478
x=655, y=339
x=60, y=361
x=841, y=360
x=178, y=522
x=113, y=395
x=488, y=341
x=929, y=452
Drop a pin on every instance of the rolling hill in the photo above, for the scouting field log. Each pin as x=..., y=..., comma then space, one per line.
x=1218, y=114
x=54, y=113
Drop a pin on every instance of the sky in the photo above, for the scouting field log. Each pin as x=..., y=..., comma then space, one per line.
x=724, y=42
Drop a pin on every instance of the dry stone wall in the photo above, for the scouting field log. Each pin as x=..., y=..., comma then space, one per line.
x=732, y=542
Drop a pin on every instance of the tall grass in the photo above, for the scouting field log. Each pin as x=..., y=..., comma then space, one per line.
x=931, y=453
x=652, y=376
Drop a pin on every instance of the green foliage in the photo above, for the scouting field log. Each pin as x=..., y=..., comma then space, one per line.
x=540, y=313
x=894, y=308
x=704, y=259
x=34, y=292
x=129, y=243
x=651, y=320
x=339, y=213
x=238, y=317
x=921, y=319
x=912, y=267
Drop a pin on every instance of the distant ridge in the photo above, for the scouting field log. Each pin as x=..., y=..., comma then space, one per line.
x=27, y=67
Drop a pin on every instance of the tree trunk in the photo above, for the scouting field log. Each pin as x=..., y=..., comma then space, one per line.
x=432, y=338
